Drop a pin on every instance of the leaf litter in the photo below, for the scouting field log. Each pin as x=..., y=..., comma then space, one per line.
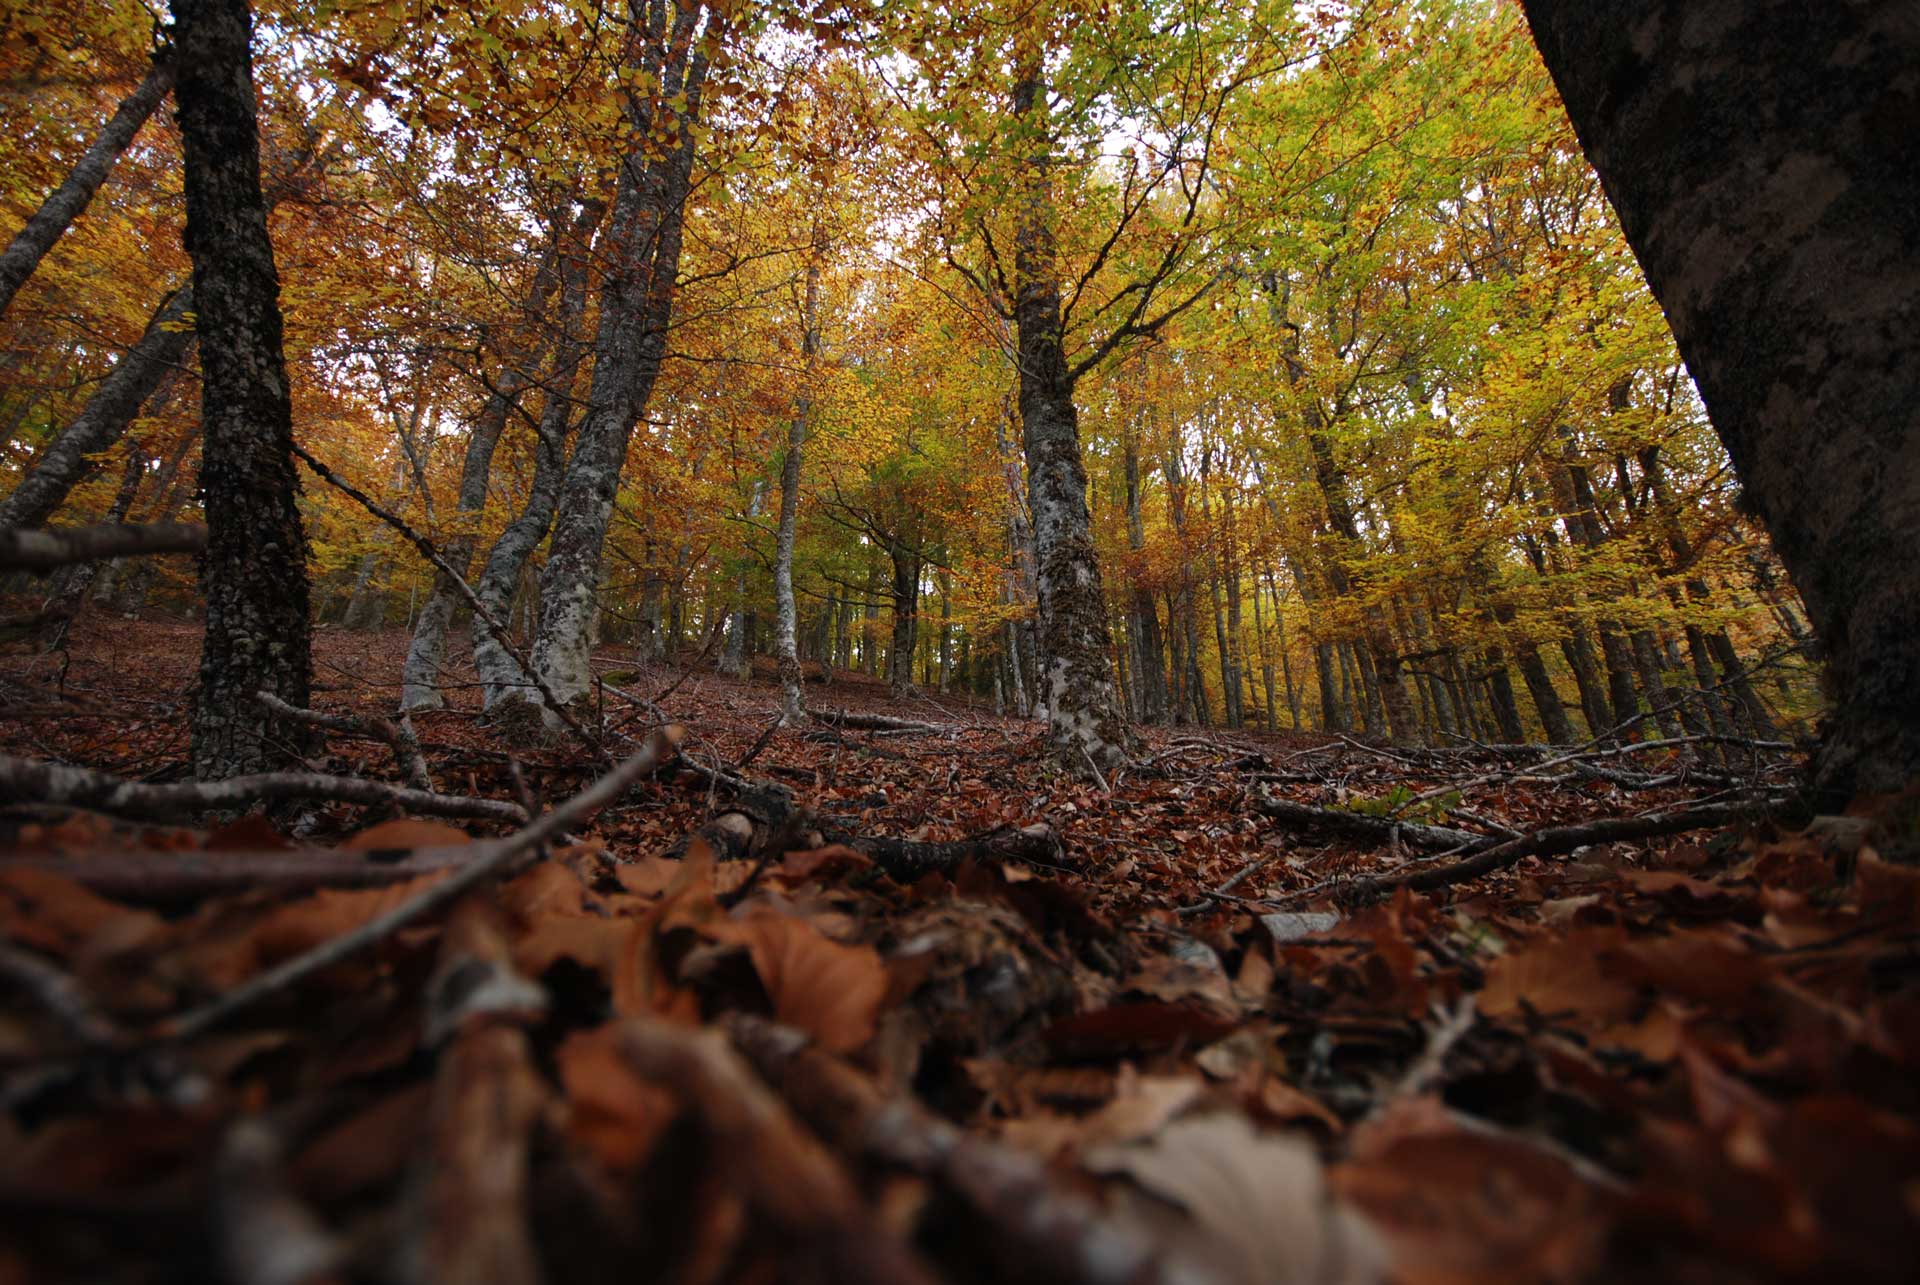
x=1186, y=1043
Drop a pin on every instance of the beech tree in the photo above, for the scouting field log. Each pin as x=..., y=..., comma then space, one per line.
x=254, y=573
x=1760, y=156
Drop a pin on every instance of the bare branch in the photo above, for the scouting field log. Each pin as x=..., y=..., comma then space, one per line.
x=43, y=551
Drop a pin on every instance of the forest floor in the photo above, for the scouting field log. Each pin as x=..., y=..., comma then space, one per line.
x=1259, y=1008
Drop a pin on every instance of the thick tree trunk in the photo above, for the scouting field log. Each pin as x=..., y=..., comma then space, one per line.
x=1759, y=154
x=1086, y=722
x=68, y=459
x=636, y=304
x=68, y=201
x=254, y=573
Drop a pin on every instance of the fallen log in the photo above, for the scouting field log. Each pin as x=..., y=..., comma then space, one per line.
x=1358, y=825
x=59, y=783
x=40, y=551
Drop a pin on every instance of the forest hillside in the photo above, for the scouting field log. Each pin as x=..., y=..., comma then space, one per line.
x=1090, y=641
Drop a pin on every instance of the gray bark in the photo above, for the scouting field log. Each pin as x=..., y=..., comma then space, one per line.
x=636, y=300
x=68, y=201
x=787, y=641
x=1760, y=156
x=501, y=677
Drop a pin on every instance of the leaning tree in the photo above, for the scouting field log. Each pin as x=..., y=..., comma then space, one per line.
x=1764, y=159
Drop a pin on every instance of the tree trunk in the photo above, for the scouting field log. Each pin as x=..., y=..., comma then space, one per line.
x=524, y=351
x=905, y=590
x=501, y=677
x=1085, y=720
x=68, y=201
x=1143, y=625
x=254, y=572
x=1758, y=153
x=102, y=421
x=636, y=303
x=786, y=646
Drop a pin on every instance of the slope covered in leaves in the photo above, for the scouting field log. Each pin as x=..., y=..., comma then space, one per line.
x=1148, y=1028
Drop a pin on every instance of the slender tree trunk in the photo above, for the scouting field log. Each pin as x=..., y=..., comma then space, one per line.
x=636, y=302
x=1149, y=652
x=68, y=201
x=1085, y=720
x=104, y=418
x=501, y=678
x=524, y=351
x=786, y=646
x=905, y=591
x=1777, y=133
x=1506, y=708
x=254, y=572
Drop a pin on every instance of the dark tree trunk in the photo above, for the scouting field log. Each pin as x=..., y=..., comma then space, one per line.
x=1761, y=156
x=254, y=573
x=1085, y=719
x=68, y=201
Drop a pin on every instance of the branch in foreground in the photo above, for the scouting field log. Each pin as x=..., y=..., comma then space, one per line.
x=789, y=1176
x=491, y=858
x=42, y=551
x=1032, y=1225
x=182, y=878
x=60, y=783
x=1547, y=843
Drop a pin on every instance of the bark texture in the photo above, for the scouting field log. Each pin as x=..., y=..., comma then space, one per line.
x=1762, y=157
x=500, y=674
x=787, y=642
x=254, y=572
x=636, y=299
x=68, y=201
x=1086, y=721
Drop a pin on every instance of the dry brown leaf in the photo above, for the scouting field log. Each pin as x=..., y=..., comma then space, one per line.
x=832, y=992
x=1558, y=975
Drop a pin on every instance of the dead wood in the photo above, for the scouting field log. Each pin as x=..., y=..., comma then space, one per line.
x=172, y=878
x=63, y=784
x=40, y=551
x=786, y=1173
x=397, y=737
x=1030, y=1224
x=1359, y=825
x=1560, y=839
x=59, y=996
x=492, y=857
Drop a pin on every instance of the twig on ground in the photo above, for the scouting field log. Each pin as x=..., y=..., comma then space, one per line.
x=491, y=858
x=406, y=748
x=1362, y=826
x=61, y=783
x=1552, y=842
x=59, y=997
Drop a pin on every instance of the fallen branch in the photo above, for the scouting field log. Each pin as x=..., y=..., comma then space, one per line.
x=488, y=621
x=59, y=996
x=174, y=878
x=1547, y=843
x=785, y=1172
x=60, y=783
x=405, y=747
x=873, y=722
x=491, y=857
x=1033, y=1227
x=41, y=551
x=1358, y=825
